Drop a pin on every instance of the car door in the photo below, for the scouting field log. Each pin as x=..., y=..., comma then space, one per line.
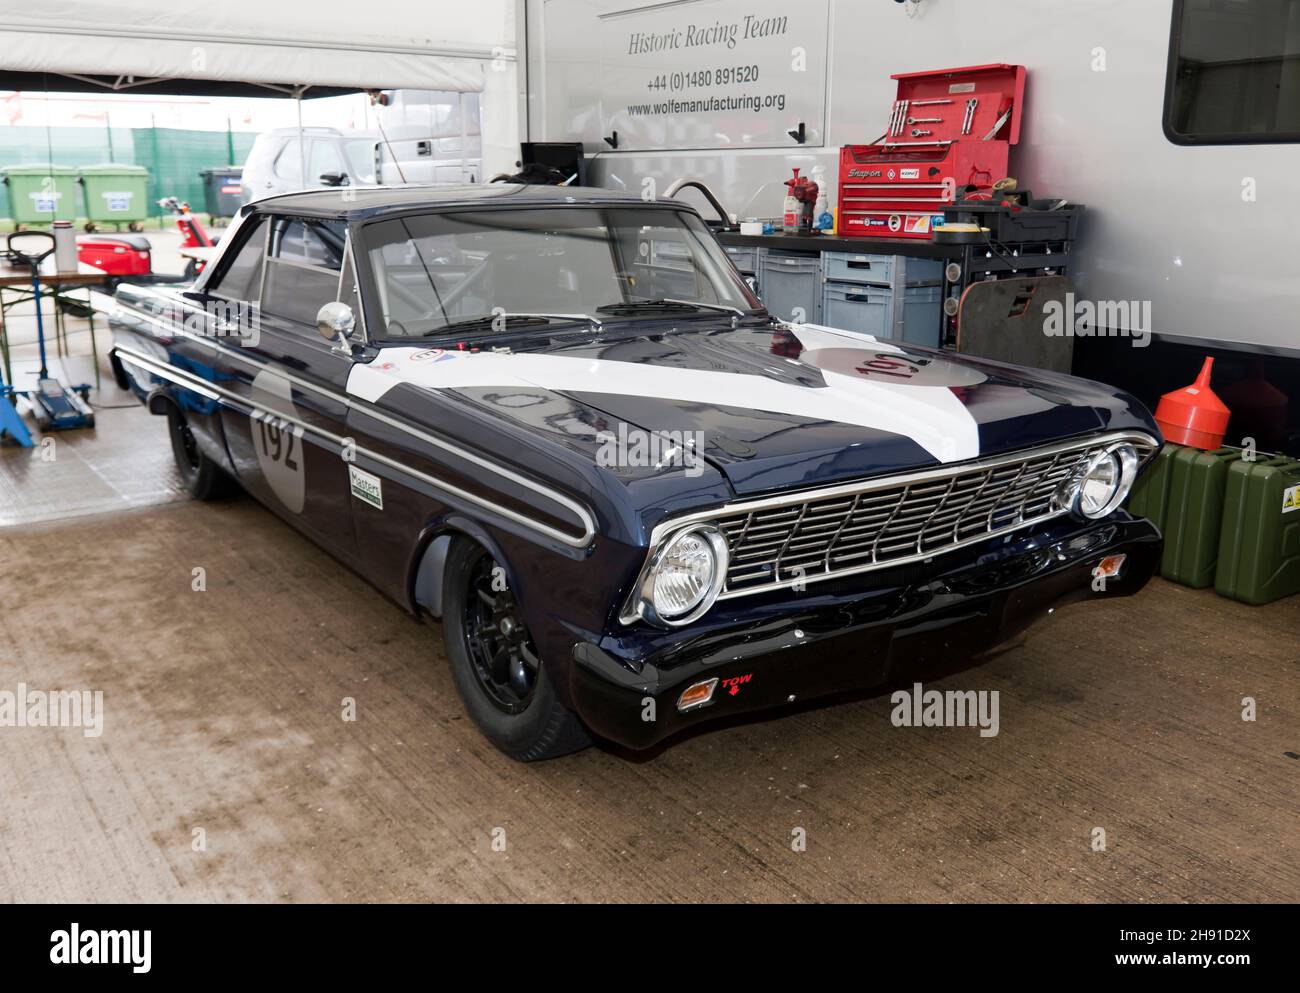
x=287, y=434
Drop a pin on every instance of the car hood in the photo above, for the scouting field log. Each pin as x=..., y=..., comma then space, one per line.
x=776, y=407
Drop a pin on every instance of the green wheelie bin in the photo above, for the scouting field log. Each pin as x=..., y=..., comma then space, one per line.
x=40, y=193
x=115, y=194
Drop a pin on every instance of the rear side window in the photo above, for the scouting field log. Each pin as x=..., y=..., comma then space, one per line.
x=1234, y=72
x=288, y=164
x=302, y=268
x=308, y=242
x=242, y=279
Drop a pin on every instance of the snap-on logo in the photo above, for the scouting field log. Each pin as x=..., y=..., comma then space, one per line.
x=734, y=684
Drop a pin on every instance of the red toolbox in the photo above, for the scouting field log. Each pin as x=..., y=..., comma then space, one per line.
x=949, y=138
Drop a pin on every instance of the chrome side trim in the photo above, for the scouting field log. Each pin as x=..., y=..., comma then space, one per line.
x=667, y=529
x=212, y=391
x=166, y=372
x=372, y=410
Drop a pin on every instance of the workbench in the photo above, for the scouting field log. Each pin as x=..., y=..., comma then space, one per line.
x=16, y=288
x=958, y=265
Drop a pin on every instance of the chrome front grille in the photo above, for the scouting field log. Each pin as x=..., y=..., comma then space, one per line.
x=897, y=520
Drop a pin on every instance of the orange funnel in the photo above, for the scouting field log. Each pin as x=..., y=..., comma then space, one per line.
x=1194, y=416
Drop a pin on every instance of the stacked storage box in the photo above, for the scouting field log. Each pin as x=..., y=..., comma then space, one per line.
x=791, y=284
x=885, y=296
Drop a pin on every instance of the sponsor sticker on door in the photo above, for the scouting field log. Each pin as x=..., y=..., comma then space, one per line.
x=366, y=488
x=1290, y=499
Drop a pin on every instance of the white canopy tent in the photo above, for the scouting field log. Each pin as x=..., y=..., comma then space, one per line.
x=297, y=48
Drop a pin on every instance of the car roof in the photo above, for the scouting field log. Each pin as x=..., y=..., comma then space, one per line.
x=362, y=203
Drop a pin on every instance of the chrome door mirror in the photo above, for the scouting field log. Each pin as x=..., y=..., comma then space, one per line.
x=336, y=322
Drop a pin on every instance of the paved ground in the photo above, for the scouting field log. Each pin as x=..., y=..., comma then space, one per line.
x=223, y=716
x=124, y=462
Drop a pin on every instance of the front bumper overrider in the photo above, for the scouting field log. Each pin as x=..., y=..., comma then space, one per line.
x=844, y=635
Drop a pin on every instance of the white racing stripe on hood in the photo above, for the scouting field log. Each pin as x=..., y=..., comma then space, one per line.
x=931, y=415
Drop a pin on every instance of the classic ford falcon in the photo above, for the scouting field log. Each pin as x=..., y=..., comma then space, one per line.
x=560, y=421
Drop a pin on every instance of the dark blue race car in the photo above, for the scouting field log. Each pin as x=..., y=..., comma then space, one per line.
x=560, y=421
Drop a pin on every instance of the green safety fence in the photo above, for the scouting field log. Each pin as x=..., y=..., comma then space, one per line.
x=174, y=157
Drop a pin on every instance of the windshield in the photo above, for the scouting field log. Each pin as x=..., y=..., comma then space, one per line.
x=432, y=271
x=360, y=153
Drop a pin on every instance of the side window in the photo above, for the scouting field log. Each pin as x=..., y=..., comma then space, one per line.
x=308, y=242
x=302, y=269
x=324, y=158
x=242, y=278
x=288, y=164
x=1232, y=72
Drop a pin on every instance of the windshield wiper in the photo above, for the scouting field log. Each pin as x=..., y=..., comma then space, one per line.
x=665, y=304
x=490, y=321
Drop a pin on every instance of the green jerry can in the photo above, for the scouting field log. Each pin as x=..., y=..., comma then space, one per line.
x=1259, y=551
x=1198, y=482
x=1150, y=496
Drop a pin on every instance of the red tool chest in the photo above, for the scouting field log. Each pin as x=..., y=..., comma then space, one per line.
x=949, y=137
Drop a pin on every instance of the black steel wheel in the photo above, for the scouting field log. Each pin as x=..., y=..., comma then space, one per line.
x=495, y=663
x=504, y=660
x=202, y=477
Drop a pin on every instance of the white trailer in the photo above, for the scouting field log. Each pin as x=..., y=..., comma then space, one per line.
x=1190, y=187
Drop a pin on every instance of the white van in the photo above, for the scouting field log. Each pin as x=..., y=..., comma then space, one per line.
x=286, y=160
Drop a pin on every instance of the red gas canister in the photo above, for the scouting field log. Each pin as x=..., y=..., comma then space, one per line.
x=1194, y=416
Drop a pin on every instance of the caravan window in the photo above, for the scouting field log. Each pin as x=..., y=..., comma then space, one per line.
x=1234, y=72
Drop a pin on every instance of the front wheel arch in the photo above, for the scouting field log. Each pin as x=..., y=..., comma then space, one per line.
x=426, y=583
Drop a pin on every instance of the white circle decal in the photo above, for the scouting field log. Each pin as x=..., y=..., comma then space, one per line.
x=278, y=440
x=893, y=367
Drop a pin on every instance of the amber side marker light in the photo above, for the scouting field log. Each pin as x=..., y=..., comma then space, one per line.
x=1109, y=567
x=697, y=695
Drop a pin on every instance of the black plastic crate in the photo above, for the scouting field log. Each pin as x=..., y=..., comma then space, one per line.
x=1010, y=224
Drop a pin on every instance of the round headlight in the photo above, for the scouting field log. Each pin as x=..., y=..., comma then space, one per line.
x=1106, y=481
x=688, y=574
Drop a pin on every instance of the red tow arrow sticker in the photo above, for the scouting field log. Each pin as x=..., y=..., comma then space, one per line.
x=734, y=684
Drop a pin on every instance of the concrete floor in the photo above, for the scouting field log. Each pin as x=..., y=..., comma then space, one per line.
x=223, y=713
